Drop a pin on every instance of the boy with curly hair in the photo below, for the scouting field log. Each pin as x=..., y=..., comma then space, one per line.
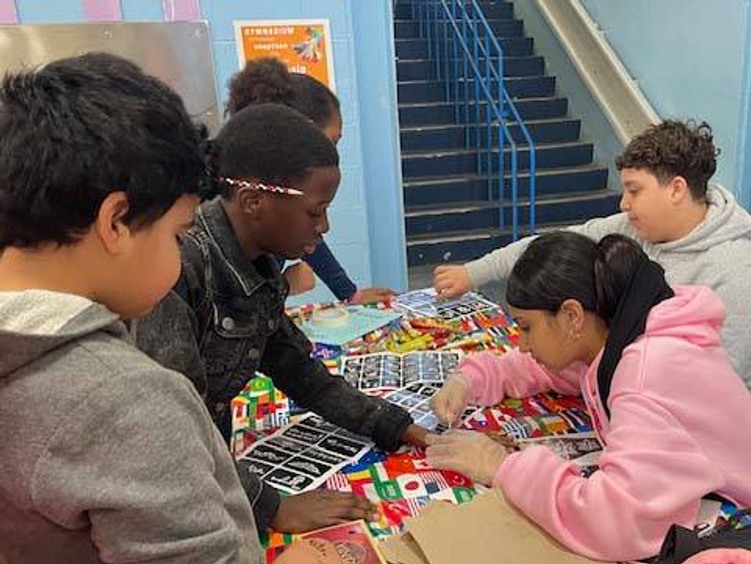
x=695, y=230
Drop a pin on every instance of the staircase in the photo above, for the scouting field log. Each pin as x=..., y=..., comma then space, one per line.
x=448, y=215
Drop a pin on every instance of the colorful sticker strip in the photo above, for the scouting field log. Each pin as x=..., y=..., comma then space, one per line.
x=258, y=409
x=533, y=417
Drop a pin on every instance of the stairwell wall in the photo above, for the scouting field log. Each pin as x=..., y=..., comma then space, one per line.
x=691, y=59
x=595, y=126
x=367, y=232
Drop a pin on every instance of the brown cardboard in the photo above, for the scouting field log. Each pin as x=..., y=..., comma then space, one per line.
x=402, y=549
x=487, y=529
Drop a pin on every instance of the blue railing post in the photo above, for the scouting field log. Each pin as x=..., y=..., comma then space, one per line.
x=460, y=21
x=476, y=82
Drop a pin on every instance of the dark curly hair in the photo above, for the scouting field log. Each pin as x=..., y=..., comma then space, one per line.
x=267, y=80
x=674, y=148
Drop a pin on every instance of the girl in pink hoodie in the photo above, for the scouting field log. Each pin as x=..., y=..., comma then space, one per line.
x=598, y=319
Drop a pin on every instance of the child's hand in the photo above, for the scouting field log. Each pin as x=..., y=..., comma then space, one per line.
x=300, y=278
x=451, y=281
x=449, y=402
x=467, y=452
x=415, y=435
x=372, y=295
x=321, y=508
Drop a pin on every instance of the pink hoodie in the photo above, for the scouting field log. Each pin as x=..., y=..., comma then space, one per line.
x=679, y=425
x=721, y=556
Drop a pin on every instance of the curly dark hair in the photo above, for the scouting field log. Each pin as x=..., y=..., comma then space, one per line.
x=674, y=148
x=267, y=81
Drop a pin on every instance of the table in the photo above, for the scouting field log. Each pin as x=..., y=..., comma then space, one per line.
x=402, y=483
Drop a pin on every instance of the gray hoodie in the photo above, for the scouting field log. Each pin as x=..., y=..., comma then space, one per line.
x=717, y=253
x=105, y=456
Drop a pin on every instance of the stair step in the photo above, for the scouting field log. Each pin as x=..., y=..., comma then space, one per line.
x=517, y=87
x=410, y=29
x=417, y=91
x=441, y=137
x=459, y=188
x=436, y=113
x=573, y=207
x=553, y=155
x=494, y=10
x=467, y=244
x=416, y=48
x=461, y=247
x=424, y=69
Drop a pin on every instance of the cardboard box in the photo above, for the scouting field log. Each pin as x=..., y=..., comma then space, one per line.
x=487, y=529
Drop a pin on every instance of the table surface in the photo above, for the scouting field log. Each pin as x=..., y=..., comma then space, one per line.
x=402, y=483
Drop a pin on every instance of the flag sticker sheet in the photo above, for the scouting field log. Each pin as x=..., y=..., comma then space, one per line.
x=537, y=416
x=426, y=303
x=401, y=485
x=382, y=372
x=302, y=456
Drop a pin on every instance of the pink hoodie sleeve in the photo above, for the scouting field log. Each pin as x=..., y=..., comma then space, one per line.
x=516, y=375
x=652, y=474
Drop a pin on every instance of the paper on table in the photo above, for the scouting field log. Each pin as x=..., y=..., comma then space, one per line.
x=361, y=321
x=481, y=531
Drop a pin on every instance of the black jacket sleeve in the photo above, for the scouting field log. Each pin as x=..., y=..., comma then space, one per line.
x=307, y=381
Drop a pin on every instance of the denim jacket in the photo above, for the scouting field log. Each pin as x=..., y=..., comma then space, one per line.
x=224, y=320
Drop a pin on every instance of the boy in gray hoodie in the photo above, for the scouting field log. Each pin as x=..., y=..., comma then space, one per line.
x=696, y=231
x=105, y=456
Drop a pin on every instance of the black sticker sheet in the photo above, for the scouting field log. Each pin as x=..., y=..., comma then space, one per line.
x=304, y=455
x=379, y=373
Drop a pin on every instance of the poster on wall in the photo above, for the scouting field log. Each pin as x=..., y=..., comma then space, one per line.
x=303, y=45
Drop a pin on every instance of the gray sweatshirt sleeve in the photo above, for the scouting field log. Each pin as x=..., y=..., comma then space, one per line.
x=141, y=463
x=496, y=266
x=732, y=287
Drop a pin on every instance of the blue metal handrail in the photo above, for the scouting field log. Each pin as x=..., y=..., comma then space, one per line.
x=437, y=20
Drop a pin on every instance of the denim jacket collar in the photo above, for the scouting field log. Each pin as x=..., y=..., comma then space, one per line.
x=236, y=269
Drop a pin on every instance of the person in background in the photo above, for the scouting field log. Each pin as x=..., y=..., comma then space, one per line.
x=599, y=319
x=267, y=80
x=695, y=230
x=225, y=321
x=106, y=456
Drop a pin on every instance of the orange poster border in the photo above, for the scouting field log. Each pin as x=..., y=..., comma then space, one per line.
x=241, y=25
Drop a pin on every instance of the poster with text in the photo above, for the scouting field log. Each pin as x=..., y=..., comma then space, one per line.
x=303, y=45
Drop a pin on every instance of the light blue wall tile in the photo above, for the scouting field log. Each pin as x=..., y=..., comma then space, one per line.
x=375, y=76
x=690, y=68
x=222, y=13
x=49, y=11
x=142, y=10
